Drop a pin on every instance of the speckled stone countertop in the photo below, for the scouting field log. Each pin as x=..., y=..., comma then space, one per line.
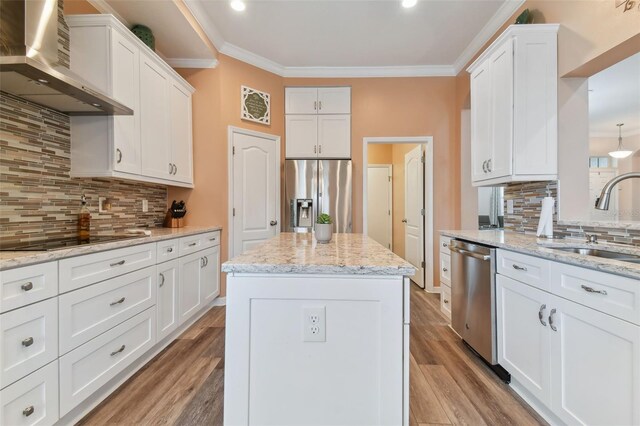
x=540, y=247
x=291, y=253
x=14, y=259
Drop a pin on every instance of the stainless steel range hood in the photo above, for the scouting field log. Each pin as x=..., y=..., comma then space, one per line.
x=29, y=66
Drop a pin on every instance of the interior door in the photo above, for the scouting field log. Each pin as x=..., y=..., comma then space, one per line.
x=255, y=197
x=379, y=204
x=413, y=212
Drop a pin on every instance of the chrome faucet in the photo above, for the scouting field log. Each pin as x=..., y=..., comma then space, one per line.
x=602, y=202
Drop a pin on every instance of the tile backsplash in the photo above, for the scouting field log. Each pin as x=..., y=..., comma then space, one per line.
x=527, y=202
x=38, y=198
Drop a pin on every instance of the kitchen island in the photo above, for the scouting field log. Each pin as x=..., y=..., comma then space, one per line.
x=317, y=334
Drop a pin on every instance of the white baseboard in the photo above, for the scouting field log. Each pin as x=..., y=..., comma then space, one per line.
x=220, y=301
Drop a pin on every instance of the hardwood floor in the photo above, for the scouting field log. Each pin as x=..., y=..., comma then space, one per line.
x=183, y=385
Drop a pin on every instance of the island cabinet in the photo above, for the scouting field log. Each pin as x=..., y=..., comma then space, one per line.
x=570, y=340
x=514, y=127
x=316, y=344
x=155, y=143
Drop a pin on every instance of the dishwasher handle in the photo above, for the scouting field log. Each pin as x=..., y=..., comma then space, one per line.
x=470, y=253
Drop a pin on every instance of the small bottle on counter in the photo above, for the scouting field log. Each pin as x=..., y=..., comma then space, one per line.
x=84, y=220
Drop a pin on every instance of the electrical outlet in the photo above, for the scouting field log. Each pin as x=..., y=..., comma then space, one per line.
x=101, y=201
x=145, y=206
x=509, y=206
x=314, y=324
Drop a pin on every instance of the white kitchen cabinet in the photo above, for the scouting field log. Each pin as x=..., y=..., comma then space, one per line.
x=514, y=107
x=523, y=335
x=595, y=366
x=155, y=143
x=318, y=122
x=210, y=277
x=190, y=295
x=167, y=301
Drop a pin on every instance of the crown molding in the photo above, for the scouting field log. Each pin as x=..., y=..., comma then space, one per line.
x=201, y=16
x=104, y=7
x=251, y=58
x=369, y=72
x=498, y=19
x=192, y=63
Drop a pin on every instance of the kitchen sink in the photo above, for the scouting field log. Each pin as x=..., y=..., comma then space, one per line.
x=625, y=257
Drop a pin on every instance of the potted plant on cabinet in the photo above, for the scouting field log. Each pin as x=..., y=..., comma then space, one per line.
x=324, y=228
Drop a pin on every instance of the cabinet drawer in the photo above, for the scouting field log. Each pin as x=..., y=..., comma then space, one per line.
x=32, y=400
x=612, y=294
x=85, y=369
x=28, y=340
x=445, y=268
x=30, y=284
x=444, y=244
x=527, y=269
x=90, y=311
x=445, y=300
x=210, y=239
x=81, y=271
x=167, y=250
x=190, y=244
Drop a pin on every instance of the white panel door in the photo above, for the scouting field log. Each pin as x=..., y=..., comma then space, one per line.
x=125, y=78
x=189, y=294
x=523, y=335
x=255, y=172
x=334, y=100
x=302, y=136
x=595, y=368
x=210, y=276
x=334, y=136
x=480, y=122
x=181, y=139
x=413, y=208
x=300, y=100
x=167, y=304
x=379, y=204
x=501, y=142
x=154, y=120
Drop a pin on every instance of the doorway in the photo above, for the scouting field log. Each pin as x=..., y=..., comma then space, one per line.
x=408, y=164
x=254, y=188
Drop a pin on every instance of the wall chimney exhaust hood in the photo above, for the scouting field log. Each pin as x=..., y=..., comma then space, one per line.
x=29, y=62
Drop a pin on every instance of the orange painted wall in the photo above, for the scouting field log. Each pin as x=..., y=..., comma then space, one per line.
x=79, y=7
x=379, y=153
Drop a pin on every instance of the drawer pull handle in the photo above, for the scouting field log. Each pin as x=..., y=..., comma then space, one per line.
x=519, y=268
x=27, y=286
x=445, y=245
x=444, y=269
x=170, y=249
x=212, y=239
x=592, y=290
x=202, y=262
x=27, y=342
x=117, y=302
x=162, y=281
x=118, y=351
x=192, y=244
x=551, y=324
x=541, y=315
x=446, y=301
x=118, y=263
x=28, y=411
x=206, y=261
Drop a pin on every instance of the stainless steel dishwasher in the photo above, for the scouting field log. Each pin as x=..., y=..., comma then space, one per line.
x=473, y=294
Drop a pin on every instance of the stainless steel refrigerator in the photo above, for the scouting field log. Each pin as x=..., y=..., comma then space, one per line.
x=313, y=187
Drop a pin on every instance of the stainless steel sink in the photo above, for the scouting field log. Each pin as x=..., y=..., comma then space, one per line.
x=625, y=257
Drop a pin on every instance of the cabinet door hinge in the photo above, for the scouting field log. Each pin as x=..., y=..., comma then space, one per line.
x=234, y=211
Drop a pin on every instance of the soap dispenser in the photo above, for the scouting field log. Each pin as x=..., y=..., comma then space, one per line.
x=84, y=219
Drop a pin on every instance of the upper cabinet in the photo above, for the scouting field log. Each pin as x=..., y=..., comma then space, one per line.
x=514, y=107
x=155, y=143
x=318, y=122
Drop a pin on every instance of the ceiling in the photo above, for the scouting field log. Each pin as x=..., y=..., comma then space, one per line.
x=326, y=38
x=614, y=97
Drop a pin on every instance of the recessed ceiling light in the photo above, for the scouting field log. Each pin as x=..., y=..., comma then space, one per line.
x=238, y=5
x=97, y=105
x=409, y=3
x=43, y=81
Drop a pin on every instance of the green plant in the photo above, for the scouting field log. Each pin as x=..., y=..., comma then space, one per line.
x=324, y=219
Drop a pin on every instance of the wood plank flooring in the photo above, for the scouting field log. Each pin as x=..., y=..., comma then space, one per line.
x=183, y=385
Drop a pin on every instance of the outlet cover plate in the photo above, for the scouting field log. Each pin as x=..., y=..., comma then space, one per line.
x=314, y=324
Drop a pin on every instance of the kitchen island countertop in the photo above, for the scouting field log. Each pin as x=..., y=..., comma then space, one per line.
x=14, y=259
x=349, y=254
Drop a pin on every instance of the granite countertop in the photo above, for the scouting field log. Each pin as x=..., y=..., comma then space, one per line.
x=14, y=259
x=541, y=247
x=292, y=253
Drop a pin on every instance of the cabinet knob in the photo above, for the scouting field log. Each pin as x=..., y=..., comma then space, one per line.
x=320, y=105
x=404, y=220
x=445, y=245
x=519, y=268
x=541, y=315
x=551, y=322
x=484, y=166
x=27, y=342
x=446, y=301
x=27, y=286
x=314, y=149
x=28, y=411
x=444, y=269
x=319, y=149
x=273, y=223
x=489, y=165
x=315, y=105
x=170, y=249
x=161, y=280
x=119, y=154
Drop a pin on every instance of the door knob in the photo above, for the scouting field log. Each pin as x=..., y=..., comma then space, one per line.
x=273, y=223
x=404, y=220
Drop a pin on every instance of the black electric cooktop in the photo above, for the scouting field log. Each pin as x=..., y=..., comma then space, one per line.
x=60, y=243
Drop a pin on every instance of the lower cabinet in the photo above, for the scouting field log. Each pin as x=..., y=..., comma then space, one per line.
x=189, y=288
x=210, y=278
x=167, y=302
x=31, y=400
x=582, y=364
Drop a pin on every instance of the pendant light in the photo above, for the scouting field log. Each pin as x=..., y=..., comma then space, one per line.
x=620, y=152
